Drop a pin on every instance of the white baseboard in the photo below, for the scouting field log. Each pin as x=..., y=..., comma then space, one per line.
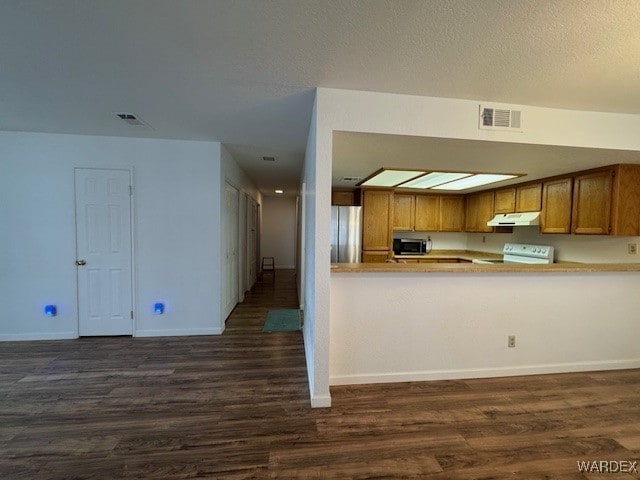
x=17, y=337
x=177, y=332
x=483, y=372
x=320, y=401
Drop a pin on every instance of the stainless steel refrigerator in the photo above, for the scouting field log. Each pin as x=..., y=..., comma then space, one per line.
x=346, y=234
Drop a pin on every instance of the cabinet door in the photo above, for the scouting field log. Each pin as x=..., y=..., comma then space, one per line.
x=529, y=198
x=374, y=256
x=342, y=197
x=451, y=213
x=505, y=201
x=376, y=220
x=556, y=206
x=427, y=213
x=484, y=211
x=592, y=203
x=403, y=212
x=471, y=216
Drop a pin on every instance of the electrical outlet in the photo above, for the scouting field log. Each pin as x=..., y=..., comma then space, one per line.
x=511, y=341
x=632, y=248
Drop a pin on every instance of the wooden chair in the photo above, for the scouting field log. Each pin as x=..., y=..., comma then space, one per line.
x=268, y=265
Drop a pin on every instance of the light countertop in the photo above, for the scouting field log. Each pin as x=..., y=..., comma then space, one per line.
x=476, y=267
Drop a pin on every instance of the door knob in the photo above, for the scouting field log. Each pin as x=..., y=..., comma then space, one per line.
x=81, y=262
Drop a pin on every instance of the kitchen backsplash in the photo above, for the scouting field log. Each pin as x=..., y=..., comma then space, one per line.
x=570, y=248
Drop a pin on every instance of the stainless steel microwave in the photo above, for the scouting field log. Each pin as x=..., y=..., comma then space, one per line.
x=409, y=246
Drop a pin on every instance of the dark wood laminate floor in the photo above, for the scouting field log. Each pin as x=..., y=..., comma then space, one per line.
x=236, y=406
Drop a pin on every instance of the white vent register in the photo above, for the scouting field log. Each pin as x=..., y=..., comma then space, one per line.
x=494, y=118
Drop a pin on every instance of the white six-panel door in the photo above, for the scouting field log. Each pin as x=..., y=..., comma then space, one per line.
x=103, y=243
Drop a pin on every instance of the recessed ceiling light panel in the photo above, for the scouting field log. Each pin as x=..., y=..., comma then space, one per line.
x=474, y=181
x=391, y=178
x=279, y=191
x=433, y=179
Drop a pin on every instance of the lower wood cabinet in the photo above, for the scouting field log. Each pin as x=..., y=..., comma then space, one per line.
x=374, y=256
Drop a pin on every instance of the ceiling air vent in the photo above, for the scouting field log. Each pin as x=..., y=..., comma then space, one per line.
x=492, y=118
x=351, y=179
x=131, y=119
x=269, y=159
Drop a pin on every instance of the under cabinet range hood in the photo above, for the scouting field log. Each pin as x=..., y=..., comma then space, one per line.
x=525, y=219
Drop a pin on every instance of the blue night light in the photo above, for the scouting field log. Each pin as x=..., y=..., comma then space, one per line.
x=50, y=310
x=158, y=308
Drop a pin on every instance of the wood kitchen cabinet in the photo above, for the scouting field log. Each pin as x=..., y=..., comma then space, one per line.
x=452, y=211
x=479, y=211
x=556, y=206
x=529, y=198
x=344, y=197
x=377, y=217
x=505, y=200
x=404, y=212
x=428, y=213
x=591, y=212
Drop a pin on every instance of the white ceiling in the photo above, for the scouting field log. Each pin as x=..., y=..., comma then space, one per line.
x=242, y=72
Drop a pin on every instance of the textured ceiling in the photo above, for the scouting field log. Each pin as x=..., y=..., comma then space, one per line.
x=242, y=72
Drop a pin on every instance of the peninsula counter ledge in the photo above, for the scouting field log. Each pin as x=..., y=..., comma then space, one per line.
x=395, y=322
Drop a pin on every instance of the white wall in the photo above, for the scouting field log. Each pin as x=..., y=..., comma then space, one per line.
x=410, y=327
x=279, y=230
x=317, y=214
x=354, y=111
x=176, y=222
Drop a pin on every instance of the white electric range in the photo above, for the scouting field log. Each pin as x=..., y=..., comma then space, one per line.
x=522, y=253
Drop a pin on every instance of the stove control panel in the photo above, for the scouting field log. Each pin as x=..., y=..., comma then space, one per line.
x=542, y=253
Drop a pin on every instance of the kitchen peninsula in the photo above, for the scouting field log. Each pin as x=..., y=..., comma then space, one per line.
x=440, y=316
x=393, y=322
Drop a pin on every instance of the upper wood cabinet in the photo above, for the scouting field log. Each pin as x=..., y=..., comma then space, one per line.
x=592, y=203
x=556, y=206
x=505, y=200
x=428, y=213
x=377, y=215
x=427, y=210
x=479, y=211
x=625, y=201
x=529, y=198
x=451, y=210
x=404, y=208
x=343, y=197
